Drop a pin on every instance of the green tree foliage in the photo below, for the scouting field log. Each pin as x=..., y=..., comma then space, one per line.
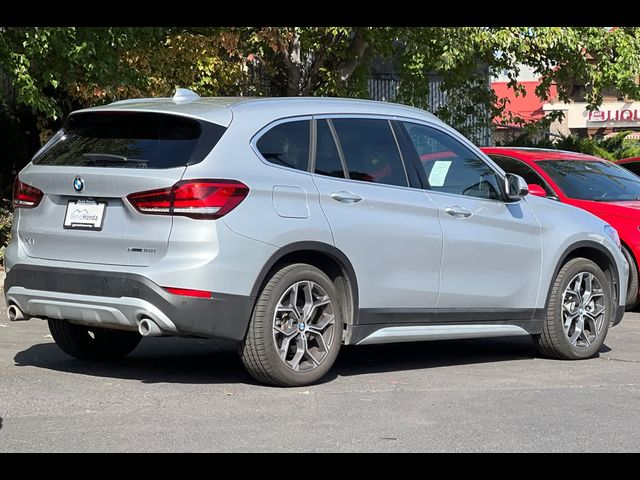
x=53, y=67
x=599, y=59
x=6, y=217
x=615, y=147
x=330, y=61
x=56, y=69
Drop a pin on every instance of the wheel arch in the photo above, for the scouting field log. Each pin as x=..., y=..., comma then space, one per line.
x=598, y=254
x=323, y=256
x=630, y=250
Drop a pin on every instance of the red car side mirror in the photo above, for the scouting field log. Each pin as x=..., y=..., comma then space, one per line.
x=536, y=190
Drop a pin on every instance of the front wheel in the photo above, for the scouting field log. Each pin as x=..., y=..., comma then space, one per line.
x=296, y=328
x=578, y=313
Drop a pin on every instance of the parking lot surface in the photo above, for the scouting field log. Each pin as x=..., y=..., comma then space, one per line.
x=181, y=395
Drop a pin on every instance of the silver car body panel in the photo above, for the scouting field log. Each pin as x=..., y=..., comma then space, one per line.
x=405, y=251
x=440, y=332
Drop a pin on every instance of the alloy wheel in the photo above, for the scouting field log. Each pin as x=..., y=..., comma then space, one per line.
x=304, y=326
x=583, y=310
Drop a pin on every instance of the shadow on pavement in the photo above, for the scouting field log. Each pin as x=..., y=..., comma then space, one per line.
x=155, y=360
x=174, y=360
x=410, y=356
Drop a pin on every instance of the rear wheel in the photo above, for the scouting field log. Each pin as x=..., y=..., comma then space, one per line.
x=633, y=299
x=579, y=312
x=92, y=343
x=296, y=328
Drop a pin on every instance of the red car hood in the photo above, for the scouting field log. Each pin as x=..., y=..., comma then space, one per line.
x=629, y=208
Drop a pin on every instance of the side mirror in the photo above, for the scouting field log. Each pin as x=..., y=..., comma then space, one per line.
x=515, y=187
x=537, y=190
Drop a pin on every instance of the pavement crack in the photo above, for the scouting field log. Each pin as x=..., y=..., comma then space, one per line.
x=619, y=360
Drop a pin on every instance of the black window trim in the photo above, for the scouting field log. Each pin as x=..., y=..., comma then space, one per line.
x=312, y=164
x=314, y=149
x=258, y=135
x=404, y=142
x=395, y=138
x=336, y=140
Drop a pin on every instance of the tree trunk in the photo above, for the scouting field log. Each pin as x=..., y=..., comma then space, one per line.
x=292, y=60
x=356, y=51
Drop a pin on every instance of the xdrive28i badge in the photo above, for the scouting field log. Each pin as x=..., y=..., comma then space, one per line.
x=78, y=184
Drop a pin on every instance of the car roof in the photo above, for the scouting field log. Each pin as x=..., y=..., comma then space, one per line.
x=538, y=154
x=222, y=109
x=628, y=160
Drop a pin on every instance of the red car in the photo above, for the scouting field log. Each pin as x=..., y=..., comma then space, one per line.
x=632, y=164
x=599, y=186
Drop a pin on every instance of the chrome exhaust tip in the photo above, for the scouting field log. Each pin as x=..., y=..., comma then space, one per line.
x=15, y=314
x=149, y=328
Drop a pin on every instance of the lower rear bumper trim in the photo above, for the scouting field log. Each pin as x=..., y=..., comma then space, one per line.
x=120, y=299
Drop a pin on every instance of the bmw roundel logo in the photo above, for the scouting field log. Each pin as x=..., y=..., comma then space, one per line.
x=78, y=184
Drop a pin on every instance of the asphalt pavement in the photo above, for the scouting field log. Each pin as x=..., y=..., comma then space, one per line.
x=183, y=395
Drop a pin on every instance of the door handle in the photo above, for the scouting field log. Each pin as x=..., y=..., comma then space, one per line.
x=458, y=212
x=346, y=197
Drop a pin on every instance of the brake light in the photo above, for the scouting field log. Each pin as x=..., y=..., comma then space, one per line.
x=25, y=196
x=200, y=199
x=188, y=292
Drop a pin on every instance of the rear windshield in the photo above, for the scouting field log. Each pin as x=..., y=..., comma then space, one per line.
x=130, y=140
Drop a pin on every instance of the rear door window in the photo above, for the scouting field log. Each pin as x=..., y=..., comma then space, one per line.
x=327, y=156
x=130, y=140
x=370, y=151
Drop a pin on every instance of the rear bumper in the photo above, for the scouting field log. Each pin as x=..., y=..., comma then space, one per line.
x=121, y=300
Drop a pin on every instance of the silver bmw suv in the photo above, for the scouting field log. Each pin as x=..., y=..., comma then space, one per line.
x=291, y=226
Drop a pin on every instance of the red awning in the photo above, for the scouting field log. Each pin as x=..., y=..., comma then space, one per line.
x=528, y=107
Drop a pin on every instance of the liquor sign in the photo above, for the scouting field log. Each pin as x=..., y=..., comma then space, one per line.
x=618, y=115
x=610, y=115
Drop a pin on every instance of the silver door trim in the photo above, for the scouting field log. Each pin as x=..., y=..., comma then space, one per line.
x=440, y=332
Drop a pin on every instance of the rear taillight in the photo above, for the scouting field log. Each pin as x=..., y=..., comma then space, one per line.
x=203, y=199
x=25, y=196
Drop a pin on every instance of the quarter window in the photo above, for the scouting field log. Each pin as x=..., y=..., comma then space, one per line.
x=370, y=151
x=287, y=144
x=450, y=167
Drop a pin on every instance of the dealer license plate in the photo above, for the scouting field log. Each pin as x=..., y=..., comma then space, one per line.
x=84, y=215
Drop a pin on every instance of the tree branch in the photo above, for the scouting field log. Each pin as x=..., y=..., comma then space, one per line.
x=356, y=51
x=292, y=60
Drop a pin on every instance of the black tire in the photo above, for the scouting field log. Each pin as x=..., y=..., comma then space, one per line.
x=554, y=342
x=259, y=351
x=92, y=343
x=633, y=299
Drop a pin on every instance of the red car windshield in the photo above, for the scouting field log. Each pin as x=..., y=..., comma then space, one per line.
x=600, y=181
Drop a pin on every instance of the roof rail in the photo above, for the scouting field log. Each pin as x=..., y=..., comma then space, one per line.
x=136, y=100
x=184, y=95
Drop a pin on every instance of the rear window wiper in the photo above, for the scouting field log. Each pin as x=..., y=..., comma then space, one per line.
x=102, y=158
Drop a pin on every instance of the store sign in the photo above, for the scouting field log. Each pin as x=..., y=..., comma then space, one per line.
x=620, y=115
x=610, y=115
